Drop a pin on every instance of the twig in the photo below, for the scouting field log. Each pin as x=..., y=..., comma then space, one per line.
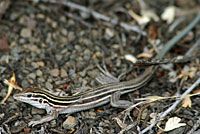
x=189, y=52
x=113, y=21
x=175, y=24
x=5, y=129
x=174, y=40
x=11, y=118
x=163, y=52
x=79, y=20
x=127, y=128
x=173, y=106
x=124, y=127
x=11, y=84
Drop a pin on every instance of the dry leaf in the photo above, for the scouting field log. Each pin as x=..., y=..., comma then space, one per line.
x=152, y=98
x=40, y=63
x=196, y=91
x=155, y=98
x=10, y=87
x=145, y=55
x=169, y=14
x=140, y=19
x=192, y=72
x=154, y=116
x=173, y=76
x=99, y=110
x=120, y=123
x=187, y=102
x=173, y=123
x=150, y=14
x=130, y=58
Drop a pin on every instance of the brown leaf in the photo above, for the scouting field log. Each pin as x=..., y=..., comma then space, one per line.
x=144, y=55
x=196, y=91
x=187, y=102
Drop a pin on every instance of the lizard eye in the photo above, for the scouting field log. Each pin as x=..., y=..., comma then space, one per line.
x=29, y=95
x=40, y=100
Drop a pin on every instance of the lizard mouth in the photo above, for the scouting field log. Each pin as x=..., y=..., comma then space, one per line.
x=20, y=97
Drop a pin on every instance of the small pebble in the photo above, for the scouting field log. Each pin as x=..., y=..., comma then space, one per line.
x=71, y=36
x=54, y=72
x=93, y=74
x=41, y=80
x=40, y=16
x=40, y=63
x=70, y=122
x=95, y=34
x=78, y=47
x=71, y=71
x=31, y=23
x=50, y=80
x=64, y=32
x=16, y=50
x=54, y=24
x=92, y=115
x=37, y=111
x=37, y=117
x=34, y=65
x=58, y=57
x=58, y=82
x=87, y=54
x=23, y=20
x=70, y=47
x=63, y=19
x=4, y=58
x=22, y=41
x=14, y=16
x=82, y=74
x=26, y=33
x=196, y=132
x=109, y=33
x=2, y=115
x=27, y=130
x=87, y=42
x=48, y=85
x=14, y=105
x=71, y=22
x=19, y=126
x=53, y=123
x=34, y=48
x=39, y=73
x=3, y=44
x=63, y=73
x=179, y=130
x=32, y=76
x=24, y=83
x=144, y=114
x=30, y=81
x=84, y=82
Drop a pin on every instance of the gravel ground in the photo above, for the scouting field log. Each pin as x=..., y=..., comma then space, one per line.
x=52, y=46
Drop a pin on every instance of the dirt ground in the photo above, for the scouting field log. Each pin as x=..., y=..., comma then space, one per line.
x=57, y=45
